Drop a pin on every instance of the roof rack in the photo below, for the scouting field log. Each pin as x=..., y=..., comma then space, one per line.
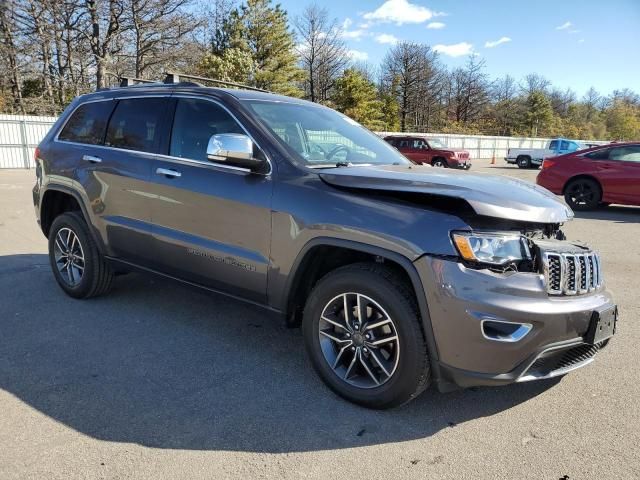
x=130, y=81
x=172, y=77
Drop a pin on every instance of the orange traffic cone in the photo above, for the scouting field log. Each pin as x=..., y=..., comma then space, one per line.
x=493, y=160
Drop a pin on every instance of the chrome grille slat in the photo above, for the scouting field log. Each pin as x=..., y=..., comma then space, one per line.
x=571, y=273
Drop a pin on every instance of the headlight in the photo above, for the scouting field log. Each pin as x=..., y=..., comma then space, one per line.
x=491, y=248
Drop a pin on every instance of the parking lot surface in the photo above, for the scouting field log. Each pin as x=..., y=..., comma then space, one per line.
x=157, y=380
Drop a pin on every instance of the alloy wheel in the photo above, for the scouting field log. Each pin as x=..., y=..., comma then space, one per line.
x=69, y=256
x=359, y=340
x=581, y=193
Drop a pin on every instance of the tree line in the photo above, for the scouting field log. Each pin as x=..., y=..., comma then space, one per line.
x=54, y=50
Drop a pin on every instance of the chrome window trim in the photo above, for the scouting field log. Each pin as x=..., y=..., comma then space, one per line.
x=160, y=155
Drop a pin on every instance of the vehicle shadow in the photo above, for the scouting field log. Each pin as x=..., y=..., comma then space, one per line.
x=164, y=366
x=612, y=213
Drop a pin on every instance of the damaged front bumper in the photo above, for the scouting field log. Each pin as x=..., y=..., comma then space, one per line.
x=498, y=328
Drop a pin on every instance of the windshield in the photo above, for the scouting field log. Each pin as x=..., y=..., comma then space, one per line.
x=321, y=137
x=435, y=143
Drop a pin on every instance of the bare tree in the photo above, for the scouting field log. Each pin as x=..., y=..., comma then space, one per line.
x=158, y=28
x=408, y=73
x=322, y=52
x=469, y=91
x=534, y=82
x=105, y=22
x=8, y=22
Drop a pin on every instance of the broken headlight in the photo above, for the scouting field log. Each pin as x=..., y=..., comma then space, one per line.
x=491, y=248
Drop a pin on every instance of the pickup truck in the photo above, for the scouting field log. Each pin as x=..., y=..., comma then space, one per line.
x=532, y=157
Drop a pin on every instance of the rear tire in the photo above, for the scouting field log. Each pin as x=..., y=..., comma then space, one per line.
x=582, y=194
x=77, y=264
x=523, y=161
x=355, y=361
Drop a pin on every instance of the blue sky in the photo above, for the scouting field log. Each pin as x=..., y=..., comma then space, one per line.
x=575, y=44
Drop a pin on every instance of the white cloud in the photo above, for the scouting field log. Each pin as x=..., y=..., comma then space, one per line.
x=400, y=12
x=386, y=38
x=436, y=25
x=455, y=50
x=357, y=55
x=356, y=34
x=495, y=43
x=564, y=26
x=581, y=40
x=574, y=31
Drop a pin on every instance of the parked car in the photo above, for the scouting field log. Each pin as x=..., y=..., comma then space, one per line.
x=430, y=151
x=533, y=157
x=597, y=176
x=400, y=275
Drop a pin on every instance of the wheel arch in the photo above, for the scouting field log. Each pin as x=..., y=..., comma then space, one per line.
x=58, y=199
x=302, y=278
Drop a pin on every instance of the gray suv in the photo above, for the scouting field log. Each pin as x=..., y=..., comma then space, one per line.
x=400, y=275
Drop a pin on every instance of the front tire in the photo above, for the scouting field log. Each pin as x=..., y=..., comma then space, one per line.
x=582, y=194
x=439, y=162
x=79, y=268
x=362, y=332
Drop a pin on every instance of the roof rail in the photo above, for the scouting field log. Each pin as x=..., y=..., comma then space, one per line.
x=172, y=77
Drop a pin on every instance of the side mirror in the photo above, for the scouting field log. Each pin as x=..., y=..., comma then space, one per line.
x=238, y=150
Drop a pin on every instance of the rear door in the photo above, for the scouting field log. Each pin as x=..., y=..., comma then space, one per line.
x=114, y=153
x=211, y=222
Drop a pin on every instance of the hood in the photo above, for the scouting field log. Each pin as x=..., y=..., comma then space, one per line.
x=489, y=195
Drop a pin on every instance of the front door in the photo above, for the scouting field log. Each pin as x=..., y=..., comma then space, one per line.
x=211, y=222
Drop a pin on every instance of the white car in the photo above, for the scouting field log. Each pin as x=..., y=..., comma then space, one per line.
x=533, y=157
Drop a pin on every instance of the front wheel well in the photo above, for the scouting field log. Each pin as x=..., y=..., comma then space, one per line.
x=318, y=262
x=55, y=203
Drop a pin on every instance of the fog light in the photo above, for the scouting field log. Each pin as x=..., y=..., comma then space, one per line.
x=501, y=331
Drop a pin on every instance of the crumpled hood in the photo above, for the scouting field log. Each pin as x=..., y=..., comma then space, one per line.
x=489, y=195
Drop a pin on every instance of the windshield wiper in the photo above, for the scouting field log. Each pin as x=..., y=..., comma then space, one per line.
x=341, y=164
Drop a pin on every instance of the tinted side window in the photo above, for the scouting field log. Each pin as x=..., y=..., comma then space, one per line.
x=194, y=123
x=553, y=145
x=392, y=141
x=626, y=154
x=599, y=154
x=87, y=123
x=135, y=124
x=564, y=145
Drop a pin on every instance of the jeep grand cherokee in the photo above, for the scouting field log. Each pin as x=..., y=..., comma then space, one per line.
x=400, y=275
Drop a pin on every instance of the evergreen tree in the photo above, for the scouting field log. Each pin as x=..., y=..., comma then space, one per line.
x=262, y=30
x=356, y=97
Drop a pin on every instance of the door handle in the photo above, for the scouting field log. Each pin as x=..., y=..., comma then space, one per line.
x=168, y=172
x=91, y=158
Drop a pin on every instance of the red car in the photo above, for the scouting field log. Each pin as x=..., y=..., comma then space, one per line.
x=601, y=175
x=422, y=150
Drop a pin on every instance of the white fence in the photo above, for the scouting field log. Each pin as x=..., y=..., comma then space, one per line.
x=20, y=134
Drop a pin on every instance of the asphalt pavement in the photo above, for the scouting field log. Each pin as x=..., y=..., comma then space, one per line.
x=157, y=380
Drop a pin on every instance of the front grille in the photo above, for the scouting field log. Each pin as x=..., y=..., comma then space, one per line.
x=564, y=359
x=571, y=273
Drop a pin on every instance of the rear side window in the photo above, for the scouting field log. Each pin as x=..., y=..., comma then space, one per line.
x=553, y=145
x=599, y=154
x=194, y=123
x=87, y=123
x=135, y=124
x=564, y=145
